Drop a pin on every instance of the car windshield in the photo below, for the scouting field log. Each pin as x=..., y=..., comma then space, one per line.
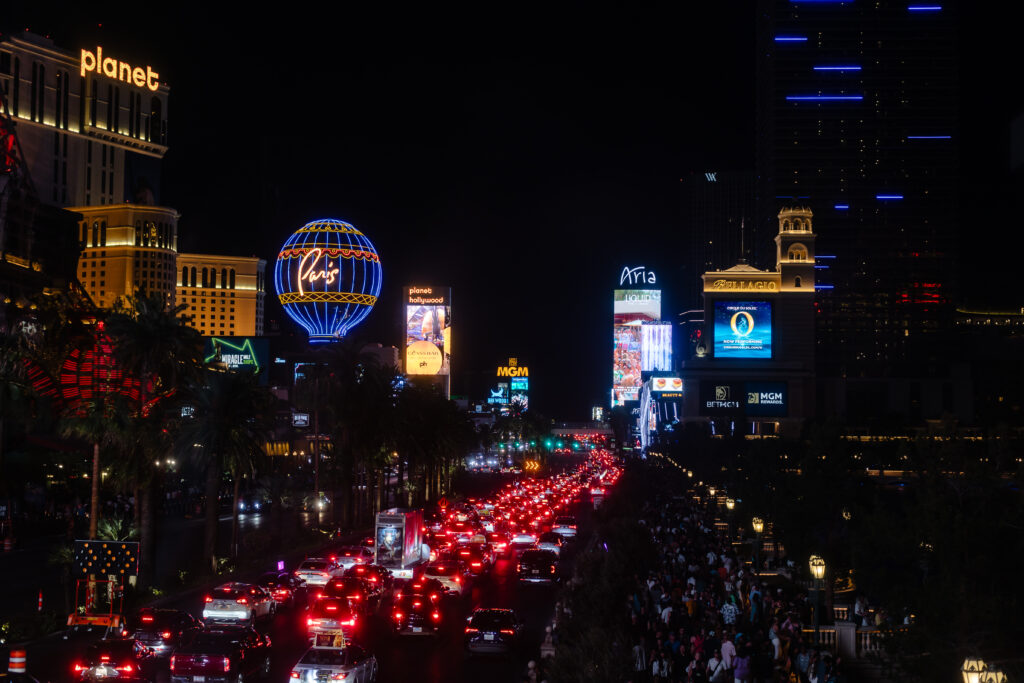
x=492, y=620
x=324, y=657
x=315, y=565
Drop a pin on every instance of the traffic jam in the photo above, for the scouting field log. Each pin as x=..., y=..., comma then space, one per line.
x=413, y=579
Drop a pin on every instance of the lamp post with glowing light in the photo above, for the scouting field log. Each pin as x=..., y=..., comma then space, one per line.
x=729, y=505
x=757, y=524
x=817, y=566
x=975, y=670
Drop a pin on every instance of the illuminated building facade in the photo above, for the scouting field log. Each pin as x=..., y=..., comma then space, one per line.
x=224, y=294
x=125, y=247
x=87, y=133
x=856, y=116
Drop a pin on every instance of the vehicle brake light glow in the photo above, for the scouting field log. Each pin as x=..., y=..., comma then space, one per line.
x=127, y=668
x=436, y=616
x=398, y=616
x=470, y=629
x=309, y=622
x=242, y=601
x=207, y=599
x=295, y=674
x=476, y=564
x=104, y=658
x=417, y=604
x=331, y=608
x=227, y=664
x=340, y=676
x=508, y=631
x=79, y=668
x=146, y=619
x=166, y=635
x=350, y=622
x=355, y=596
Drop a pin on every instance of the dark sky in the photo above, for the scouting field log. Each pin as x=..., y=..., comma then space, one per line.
x=520, y=155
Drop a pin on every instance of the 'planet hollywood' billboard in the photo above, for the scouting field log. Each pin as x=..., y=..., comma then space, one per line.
x=428, y=330
x=328, y=278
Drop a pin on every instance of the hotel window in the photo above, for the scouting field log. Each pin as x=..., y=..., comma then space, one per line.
x=193, y=280
x=103, y=234
x=232, y=279
x=206, y=278
x=184, y=276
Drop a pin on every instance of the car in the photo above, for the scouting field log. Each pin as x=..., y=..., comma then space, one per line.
x=123, y=659
x=362, y=597
x=378, y=577
x=492, y=631
x=432, y=589
x=523, y=540
x=565, y=525
x=221, y=655
x=449, y=574
x=416, y=615
x=348, y=555
x=161, y=630
x=317, y=571
x=329, y=615
x=499, y=541
x=538, y=566
x=351, y=664
x=476, y=556
x=238, y=602
x=282, y=586
x=551, y=541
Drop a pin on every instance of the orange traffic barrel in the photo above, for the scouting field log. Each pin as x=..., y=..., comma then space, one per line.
x=17, y=662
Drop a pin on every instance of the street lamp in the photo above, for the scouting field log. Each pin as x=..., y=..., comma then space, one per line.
x=817, y=566
x=730, y=504
x=711, y=491
x=993, y=677
x=972, y=669
x=758, y=526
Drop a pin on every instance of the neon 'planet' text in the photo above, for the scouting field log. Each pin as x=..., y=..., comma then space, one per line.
x=95, y=62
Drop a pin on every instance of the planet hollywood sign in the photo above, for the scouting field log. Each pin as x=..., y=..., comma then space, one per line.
x=95, y=62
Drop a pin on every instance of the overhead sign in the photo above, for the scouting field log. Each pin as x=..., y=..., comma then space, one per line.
x=513, y=369
x=95, y=62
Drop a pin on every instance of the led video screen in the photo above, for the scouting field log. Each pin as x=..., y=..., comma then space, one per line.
x=631, y=305
x=627, y=364
x=656, y=348
x=743, y=329
x=428, y=340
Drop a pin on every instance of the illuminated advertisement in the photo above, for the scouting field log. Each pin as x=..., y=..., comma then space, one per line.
x=428, y=331
x=631, y=305
x=767, y=399
x=663, y=384
x=239, y=353
x=520, y=396
x=499, y=394
x=743, y=329
x=627, y=366
x=390, y=545
x=656, y=347
x=721, y=398
x=328, y=278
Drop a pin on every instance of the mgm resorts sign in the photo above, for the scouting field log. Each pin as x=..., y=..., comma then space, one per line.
x=754, y=399
x=513, y=369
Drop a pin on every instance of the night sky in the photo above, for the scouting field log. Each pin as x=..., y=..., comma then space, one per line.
x=520, y=155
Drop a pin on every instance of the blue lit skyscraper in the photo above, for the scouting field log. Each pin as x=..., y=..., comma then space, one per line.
x=857, y=119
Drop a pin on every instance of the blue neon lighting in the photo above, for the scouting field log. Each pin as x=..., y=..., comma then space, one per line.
x=843, y=67
x=824, y=286
x=929, y=137
x=924, y=8
x=821, y=267
x=841, y=207
x=824, y=98
x=888, y=196
x=790, y=39
x=824, y=256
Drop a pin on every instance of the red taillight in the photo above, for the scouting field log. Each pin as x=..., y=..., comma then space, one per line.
x=476, y=564
x=552, y=570
x=166, y=635
x=79, y=668
x=147, y=619
x=458, y=579
x=127, y=668
x=295, y=674
x=350, y=622
x=331, y=608
x=373, y=579
x=508, y=631
x=207, y=599
x=416, y=604
x=227, y=664
x=309, y=622
x=397, y=616
x=433, y=597
x=242, y=601
x=355, y=596
x=470, y=629
x=339, y=676
x=325, y=575
x=104, y=658
x=319, y=595
x=436, y=616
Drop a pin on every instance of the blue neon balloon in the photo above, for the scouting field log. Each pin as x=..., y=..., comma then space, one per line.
x=328, y=278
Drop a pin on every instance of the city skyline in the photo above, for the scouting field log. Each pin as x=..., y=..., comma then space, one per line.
x=539, y=172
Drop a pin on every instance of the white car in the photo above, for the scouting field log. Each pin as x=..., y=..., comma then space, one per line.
x=350, y=555
x=565, y=526
x=238, y=602
x=352, y=664
x=550, y=541
x=317, y=571
x=448, y=573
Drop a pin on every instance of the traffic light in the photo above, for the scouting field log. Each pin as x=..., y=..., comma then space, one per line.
x=547, y=443
x=558, y=444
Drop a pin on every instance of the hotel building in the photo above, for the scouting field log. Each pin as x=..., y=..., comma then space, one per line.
x=224, y=294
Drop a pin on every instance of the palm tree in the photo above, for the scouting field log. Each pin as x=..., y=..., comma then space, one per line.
x=14, y=392
x=229, y=425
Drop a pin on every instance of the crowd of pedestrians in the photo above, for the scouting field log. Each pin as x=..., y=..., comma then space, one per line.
x=702, y=614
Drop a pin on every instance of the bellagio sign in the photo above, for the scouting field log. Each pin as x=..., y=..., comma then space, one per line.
x=95, y=62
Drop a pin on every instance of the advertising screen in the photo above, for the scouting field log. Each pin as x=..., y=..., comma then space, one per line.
x=662, y=384
x=631, y=305
x=237, y=353
x=428, y=333
x=767, y=399
x=721, y=398
x=499, y=394
x=627, y=365
x=743, y=329
x=390, y=544
x=656, y=347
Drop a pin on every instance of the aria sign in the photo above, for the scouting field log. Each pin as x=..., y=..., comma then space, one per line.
x=95, y=62
x=637, y=276
x=328, y=278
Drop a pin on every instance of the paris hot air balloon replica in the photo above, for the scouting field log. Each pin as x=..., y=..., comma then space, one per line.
x=328, y=278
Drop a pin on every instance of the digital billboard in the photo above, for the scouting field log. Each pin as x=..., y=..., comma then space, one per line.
x=237, y=353
x=743, y=329
x=428, y=331
x=631, y=305
x=499, y=394
x=520, y=393
x=627, y=364
x=663, y=384
x=656, y=347
x=766, y=399
x=721, y=398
